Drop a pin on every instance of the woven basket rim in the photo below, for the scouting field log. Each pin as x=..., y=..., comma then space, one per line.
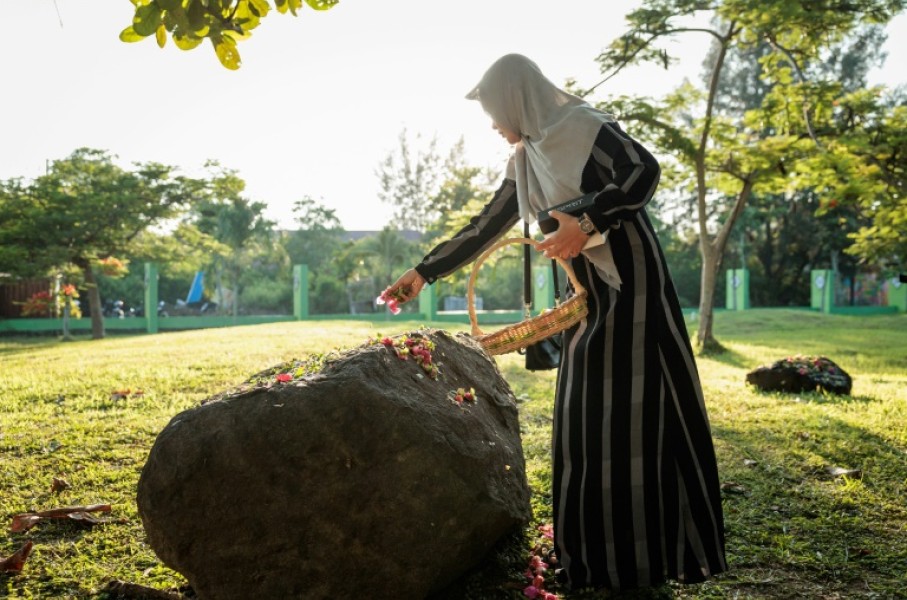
x=532, y=329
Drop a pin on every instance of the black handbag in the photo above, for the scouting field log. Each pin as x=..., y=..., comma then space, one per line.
x=545, y=354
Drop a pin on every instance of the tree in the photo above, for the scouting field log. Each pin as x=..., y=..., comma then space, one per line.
x=222, y=22
x=320, y=235
x=235, y=222
x=781, y=237
x=387, y=253
x=725, y=159
x=874, y=129
x=317, y=243
x=180, y=251
x=422, y=186
x=85, y=208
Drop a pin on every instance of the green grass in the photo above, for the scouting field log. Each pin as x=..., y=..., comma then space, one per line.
x=793, y=532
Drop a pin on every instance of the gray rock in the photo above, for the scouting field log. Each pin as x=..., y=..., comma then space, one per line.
x=364, y=480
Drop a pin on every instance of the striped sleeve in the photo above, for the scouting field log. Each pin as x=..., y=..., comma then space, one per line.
x=631, y=174
x=498, y=216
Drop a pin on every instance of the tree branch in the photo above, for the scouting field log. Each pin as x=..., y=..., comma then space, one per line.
x=629, y=59
x=793, y=61
x=725, y=231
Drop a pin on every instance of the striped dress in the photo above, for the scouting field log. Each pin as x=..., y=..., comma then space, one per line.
x=634, y=480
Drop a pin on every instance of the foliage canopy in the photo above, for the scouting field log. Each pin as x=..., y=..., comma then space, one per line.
x=222, y=22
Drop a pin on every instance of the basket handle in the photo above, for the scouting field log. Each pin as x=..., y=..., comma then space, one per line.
x=470, y=287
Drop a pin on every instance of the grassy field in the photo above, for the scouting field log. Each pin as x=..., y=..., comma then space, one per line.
x=794, y=530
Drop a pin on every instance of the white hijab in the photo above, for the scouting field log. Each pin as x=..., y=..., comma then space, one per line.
x=558, y=131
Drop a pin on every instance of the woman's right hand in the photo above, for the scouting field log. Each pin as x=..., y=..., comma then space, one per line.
x=407, y=287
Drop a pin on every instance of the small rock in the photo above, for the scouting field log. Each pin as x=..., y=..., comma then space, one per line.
x=796, y=374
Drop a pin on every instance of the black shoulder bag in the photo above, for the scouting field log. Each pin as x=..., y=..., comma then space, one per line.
x=545, y=354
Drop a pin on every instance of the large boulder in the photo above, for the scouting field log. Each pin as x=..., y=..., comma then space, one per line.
x=369, y=476
x=796, y=374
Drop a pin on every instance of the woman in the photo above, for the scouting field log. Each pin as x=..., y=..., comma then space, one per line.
x=635, y=482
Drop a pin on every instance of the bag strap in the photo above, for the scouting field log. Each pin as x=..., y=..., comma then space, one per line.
x=527, y=276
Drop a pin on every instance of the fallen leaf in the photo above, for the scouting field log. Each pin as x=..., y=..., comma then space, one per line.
x=91, y=520
x=732, y=487
x=58, y=485
x=16, y=561
x=842, y=472
x=23, y=522
x=57, y=513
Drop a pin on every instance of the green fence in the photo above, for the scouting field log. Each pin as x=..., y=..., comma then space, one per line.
x=822, y=299
x=152, y=323
x=822, y=294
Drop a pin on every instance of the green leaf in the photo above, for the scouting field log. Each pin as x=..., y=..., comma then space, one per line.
x=322, y=4
x=186, y=42
x=161, y=36
x=147, y=20
x=197, y=16
x=169, y=4
x=259, y=7
x=130, y=36
x=226, y=51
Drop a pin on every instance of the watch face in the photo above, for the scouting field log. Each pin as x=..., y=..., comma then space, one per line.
x=586, y=225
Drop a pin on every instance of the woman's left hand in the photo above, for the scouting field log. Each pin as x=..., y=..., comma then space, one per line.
x=568, y=241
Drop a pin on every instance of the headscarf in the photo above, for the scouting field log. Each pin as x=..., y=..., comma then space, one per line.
x=557, y=129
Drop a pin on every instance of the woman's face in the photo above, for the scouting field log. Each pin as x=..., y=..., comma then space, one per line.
x=511, y=137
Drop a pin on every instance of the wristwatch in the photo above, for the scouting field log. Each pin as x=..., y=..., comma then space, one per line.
x=586, y=225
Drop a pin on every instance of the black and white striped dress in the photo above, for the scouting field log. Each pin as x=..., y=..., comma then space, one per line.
x=635, y=481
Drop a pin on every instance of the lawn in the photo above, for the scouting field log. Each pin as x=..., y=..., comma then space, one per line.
x=794, y=529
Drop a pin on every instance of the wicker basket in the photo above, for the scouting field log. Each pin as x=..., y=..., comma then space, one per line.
x=532, y=329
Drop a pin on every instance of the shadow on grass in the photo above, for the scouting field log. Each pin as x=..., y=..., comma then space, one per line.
x=728, y=357
x=815, y=396
x=796, y=518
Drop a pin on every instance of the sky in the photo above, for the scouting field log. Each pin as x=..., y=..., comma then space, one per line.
x=320, y=99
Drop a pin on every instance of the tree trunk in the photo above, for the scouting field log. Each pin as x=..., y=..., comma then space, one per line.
x=712, y=253
x=94, y=300
x=705, y=339
x=234, y=275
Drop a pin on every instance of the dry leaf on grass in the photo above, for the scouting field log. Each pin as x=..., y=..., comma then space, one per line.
x=14, y=563
x=842, y=472
x=58, y=485
x=732, y=487
x=25, y=521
